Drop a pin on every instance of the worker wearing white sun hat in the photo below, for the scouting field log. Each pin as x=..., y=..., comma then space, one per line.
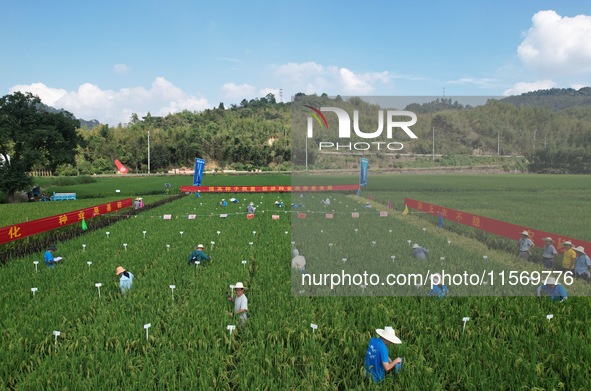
x=377, y=361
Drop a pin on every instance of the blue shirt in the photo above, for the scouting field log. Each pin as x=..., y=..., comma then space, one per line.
x=556, y=292
x=439, y=291
x=197, y=255
x=125, y=282
x=49, y=258
x=582, y=264
x=376, y=355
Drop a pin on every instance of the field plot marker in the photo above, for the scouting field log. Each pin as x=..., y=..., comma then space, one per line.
x=219, y=232
x=373, y=243
x=197, y=265
x=251, y=243
x=56, y=334
x=168, y=247
x=485, y=257
x=549, y=316
x=89, y=263
x=125, y=246
x=83, y=247
x=244, y=263
x=344, y=260
x=314, y=327
x=231, y=328
x=449, y=242
x=254, y=233
x=212, y=243
x=442, y=259
x=330, y=246
x=33, y=290
x=108, y=233
x=35, y=263
x=424, y=230
x=147, y=326
x=390, y=230
x=356, y=231
x=465, y=319
x=363, y=288
x=172, y=289
x=286, y=232
x=98, y=286
x=393, y=257
x=144, y=232
x=409, y=241
x=181, y=232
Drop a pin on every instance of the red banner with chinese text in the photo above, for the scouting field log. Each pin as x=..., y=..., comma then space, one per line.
x=497, y=227
x=266, y=189
x=22, y=230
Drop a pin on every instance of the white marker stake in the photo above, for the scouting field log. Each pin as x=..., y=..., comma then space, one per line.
x=98, y=286
x=212, y=243
x=168, y=247
x=344, y=260
x=314, y=327
x=485, y=257
x=83, y=247
x=449, y=242
x=286, y=232
x=244, y=263
x=181, y=232
x=254, y=233
x=442, y=259
x=251, y=243
x=144, y=232
x=56, y=334
x=424, y=230
x=465, y=319
x=108, y=233
x=390, y=230
x=89, y=263
x=549, y=316
x=35, y=263
x=356, y=231
x=292, y=244
x=373, y=243
x=197, y=265
x=393, y=257
x=172, y=289
x=125, y=246
x=33, y=290
x=409, y=241
x=147, y=326
x=219, y=232
x=231, y=327
x=330, y=245
x=363, y=288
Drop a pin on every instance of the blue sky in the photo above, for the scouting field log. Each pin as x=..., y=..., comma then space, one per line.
x=107, y=59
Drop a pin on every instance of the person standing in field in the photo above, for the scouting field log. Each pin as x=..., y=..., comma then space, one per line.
x=240, y=302
x=250, y=209
x=548, y=253
x=568, y=258
x=582, y=264
x=198, y=255
x=525, y=245
x=554, y=291
x=377, y=361
x=125, y=280
x=419, y=252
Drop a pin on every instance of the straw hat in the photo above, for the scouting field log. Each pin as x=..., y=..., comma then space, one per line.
x=119, y=270
x=389, y=335
x=548, y=239
x=295, y=252
x=550, y=281
x=525, y=233
x=52, y=248
x=199, y=245
x=239, y=285
x=580, y=249
x=567, y=243
x=415, y=245
x=436, y=279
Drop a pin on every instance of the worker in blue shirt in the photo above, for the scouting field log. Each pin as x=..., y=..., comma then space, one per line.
x=552, y=290
x=125, y=280
x=224, y=202
x=377, y=361
x=437, y=287
x=48, y=256
x=198, y=255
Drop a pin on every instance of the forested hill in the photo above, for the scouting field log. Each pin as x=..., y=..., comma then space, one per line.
x=257, y=133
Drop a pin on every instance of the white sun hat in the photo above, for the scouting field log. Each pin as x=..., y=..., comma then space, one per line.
x=525, y=233
x=415, y=245
x=580, y=249
x=550, y=281
x=199, y=245
x=388, y=334
x=436, y=279
x=567, y=243
x=239, y=285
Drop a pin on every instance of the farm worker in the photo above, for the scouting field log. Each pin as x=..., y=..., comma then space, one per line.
x=548, y=253
x=582, y=263
x=437, y=287
x=48, y=256
x=141, y=203
x=419, y=252
x=198, y=255
x=279, y=203
x=299, y=261
x=125, y=280
x=552, y=290
x=377, y=361
x=234, y=200
x=223, y=203
x=569, y=256
x=325, y=202
x=367, y=204
x=136, y=203
x=240, y=302
x=198, y=194
x=250, y=209
x=525, y=245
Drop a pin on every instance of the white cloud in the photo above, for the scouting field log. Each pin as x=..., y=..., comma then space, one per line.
x=233, y=91
x=120, y=68
x=314, y=78
x=482, y=82
x=557, y=45
x=89, y=101
x=522, y=87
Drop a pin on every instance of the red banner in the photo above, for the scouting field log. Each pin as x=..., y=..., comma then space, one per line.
x=265, y=189
x=22, y=230
x=497, y=227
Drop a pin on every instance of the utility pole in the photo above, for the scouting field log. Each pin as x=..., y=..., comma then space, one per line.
x=148, y=152
x=499, y=143
x=433, y=152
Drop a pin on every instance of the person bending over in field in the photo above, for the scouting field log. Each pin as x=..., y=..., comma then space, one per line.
x=198, y=255
x=582, y=264
x=419, y=252
x=377, y=361
x=125, y=280
x=48, y=256
x=552, y=290
x=548, y=253
x=569, y=256
x=437, y=287
x=525, y=245
x=299, y=261
x=250, y=209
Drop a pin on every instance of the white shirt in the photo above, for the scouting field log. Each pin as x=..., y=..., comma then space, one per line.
x=241, y=303
x=298, y=262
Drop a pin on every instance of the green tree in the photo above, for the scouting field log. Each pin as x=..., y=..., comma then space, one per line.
x=31, y=136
